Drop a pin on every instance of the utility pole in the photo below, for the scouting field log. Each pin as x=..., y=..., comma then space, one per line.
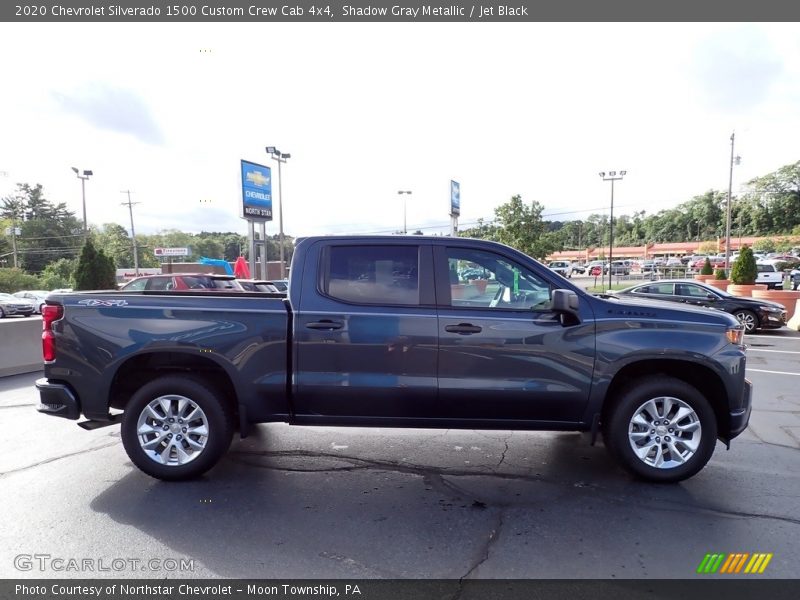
x=133, y=232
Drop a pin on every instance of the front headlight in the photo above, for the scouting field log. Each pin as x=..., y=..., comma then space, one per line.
x=735, y=335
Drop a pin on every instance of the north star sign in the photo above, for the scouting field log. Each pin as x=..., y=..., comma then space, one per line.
x=256, y=192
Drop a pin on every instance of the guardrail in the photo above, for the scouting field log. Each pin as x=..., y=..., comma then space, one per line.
x=20, y=345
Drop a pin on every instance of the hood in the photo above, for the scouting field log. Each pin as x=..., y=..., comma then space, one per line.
x=645, y=308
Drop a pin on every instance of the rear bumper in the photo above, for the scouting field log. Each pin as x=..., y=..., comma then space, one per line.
x=57, y=399
x=741, y=416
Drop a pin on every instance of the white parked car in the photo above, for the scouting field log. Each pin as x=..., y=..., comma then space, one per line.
x=36, y=297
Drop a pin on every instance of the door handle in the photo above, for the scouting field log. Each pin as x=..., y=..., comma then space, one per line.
x=463, y=328
x=324, y=325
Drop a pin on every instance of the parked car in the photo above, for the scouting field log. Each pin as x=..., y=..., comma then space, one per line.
x=13, y=306
x=562, y=267
x=794, y=277
x=183, y=281
x=596, y=268
x=36, y=297
x=257, y=285
x=618, y=267
x=751, y=312
x=579, y=269
x=769, y=275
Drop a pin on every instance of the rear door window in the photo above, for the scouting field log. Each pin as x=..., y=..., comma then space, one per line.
x=373, y=274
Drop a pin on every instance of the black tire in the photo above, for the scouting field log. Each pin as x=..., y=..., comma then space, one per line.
x=217, y=423
x=2, y=313
x=748, y=319
x=619, y=430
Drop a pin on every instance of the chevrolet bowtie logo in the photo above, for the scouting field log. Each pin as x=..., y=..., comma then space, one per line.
x=257, y=178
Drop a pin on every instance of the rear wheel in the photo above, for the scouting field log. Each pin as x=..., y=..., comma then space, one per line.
x=661, y=429
x=748, y=319
x=176, y=427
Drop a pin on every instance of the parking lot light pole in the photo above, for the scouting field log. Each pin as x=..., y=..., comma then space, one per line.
x=401, y=192
x=734, y=160
x=611, y=176
x=281, y=157
x=83, y=178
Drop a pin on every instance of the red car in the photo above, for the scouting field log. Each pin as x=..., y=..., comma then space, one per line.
x=183, y=281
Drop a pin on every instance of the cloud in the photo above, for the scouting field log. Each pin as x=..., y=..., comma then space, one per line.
x=736, y=69
x=113, y=109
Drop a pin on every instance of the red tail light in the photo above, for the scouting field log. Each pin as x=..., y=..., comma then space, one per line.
x=50, y=313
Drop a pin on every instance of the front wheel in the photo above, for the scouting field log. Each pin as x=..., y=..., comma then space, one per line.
x=176, y=427
x=661, y=429
x=748, y=319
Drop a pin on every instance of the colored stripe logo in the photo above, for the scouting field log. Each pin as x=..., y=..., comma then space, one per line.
x=742, y=562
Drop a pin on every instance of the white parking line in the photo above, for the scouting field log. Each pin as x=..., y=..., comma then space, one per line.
x=770, y=337
x=776, y=351
x=775, y=372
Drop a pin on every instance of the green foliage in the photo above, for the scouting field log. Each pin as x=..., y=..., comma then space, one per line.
x=14, y=280
x=59, y=274
x=765, y=245
x=49, y=231
x=744, y=271
x=95, y=270
x=522, y=228
x=720, y=275
x=707, y=268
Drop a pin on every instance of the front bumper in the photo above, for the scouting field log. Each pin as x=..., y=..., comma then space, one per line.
x=57, y=399
x=741, y=416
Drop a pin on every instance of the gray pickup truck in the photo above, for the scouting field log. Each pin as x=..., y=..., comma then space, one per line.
x=383, y=331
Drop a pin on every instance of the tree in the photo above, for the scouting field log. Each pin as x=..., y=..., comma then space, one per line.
x=744, y=271
x=113, y=239
x=522, y=227
x=59, y=274
x=707, y=268
x=95, y=270
x=48, y=231
x=14, y=280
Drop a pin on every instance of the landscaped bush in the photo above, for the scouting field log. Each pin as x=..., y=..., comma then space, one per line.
x=744, y=271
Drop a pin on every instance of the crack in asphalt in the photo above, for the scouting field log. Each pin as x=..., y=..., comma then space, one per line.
x=435, y=478
x=56, y=458
x=503, y=457
x=486, y=550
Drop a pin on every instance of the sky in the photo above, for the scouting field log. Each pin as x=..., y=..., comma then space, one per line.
x=168, y=110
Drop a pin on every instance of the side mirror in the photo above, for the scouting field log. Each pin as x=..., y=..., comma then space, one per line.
x=565, y=302
x=711, y=297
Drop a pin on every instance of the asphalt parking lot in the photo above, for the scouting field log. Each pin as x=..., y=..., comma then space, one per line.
x=389, y=503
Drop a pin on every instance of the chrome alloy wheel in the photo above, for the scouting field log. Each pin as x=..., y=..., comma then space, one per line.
x=172, y=430
x=664, y=432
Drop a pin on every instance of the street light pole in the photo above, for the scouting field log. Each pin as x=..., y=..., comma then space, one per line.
x=133, y=232
x=736, y=160
x=281, y=158
x=611, y=176
x=83, y=178
x=401, y=192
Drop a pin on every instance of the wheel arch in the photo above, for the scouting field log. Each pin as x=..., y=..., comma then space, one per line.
x=704, y=379
x=143, y=367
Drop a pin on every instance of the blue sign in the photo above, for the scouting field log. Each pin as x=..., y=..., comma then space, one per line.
x=455, y=198
x=256, y=192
